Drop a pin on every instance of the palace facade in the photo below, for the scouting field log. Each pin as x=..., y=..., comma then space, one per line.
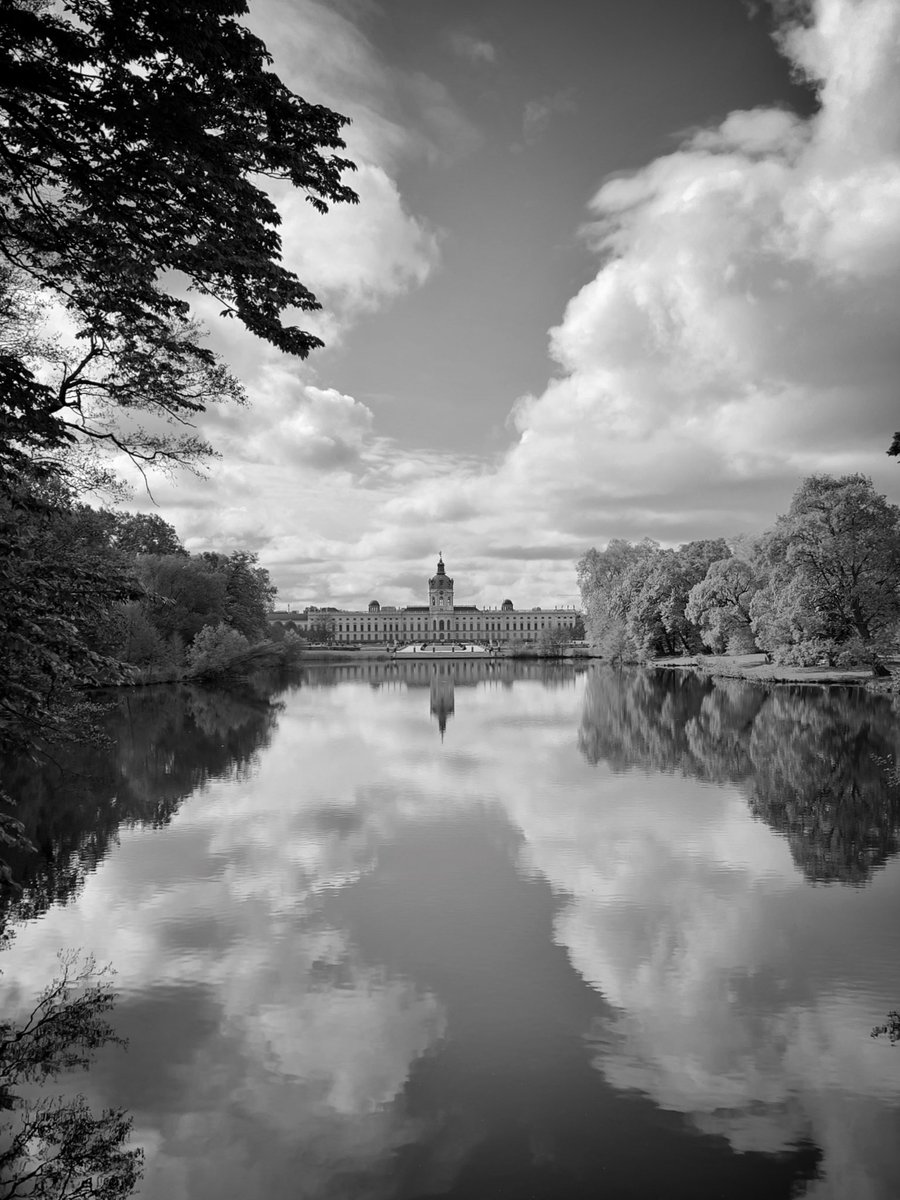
x=440, y=620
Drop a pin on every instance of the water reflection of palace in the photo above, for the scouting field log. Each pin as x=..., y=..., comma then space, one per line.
x=443, y=676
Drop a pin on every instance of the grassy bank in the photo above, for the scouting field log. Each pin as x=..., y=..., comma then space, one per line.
x=755, y=667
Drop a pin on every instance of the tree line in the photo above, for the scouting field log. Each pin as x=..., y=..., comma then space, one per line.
x=821, y=586
x=134, y=143
x=134, y=140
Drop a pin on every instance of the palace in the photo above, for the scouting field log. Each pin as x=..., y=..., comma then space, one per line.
x=440, y=620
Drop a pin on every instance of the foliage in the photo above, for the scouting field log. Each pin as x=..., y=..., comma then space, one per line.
x=248, y=592
x=551, y=641
x=292, y=645
x=685, y=568
x=834, y=573
x=185, y=594
x=135, y=137
x=182, y=594
x=141, y=644
x=823, y=584
x=134, y=390
x=608, y=580
x=59, y=578
x=145, y=533
x=215, y=649
x=320, y=630
x=636, y=596
x=719, y=606
x=55, y=1148
x=895, y=444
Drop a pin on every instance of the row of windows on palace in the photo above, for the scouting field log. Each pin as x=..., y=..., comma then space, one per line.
x=395, y=624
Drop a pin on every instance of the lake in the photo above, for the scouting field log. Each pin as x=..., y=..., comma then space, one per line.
x=473, y=930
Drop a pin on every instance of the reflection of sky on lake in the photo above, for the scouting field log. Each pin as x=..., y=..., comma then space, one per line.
x=379, y=965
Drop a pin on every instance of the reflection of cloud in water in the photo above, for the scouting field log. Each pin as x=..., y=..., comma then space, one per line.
x=727, y=970
x=735, y=981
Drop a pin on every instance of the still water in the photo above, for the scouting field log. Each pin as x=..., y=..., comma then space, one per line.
x=484, y=930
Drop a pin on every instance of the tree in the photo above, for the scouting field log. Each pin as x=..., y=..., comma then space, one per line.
x=320, y=629
x=182, y=594
x=834, y=561
x=719, y=605
x=134, y=140
x=635, y=596
x=608, y=581
x=215, y=649
x=690, y=565
x=59, y=579
x=146, y=533
x=551, y=641
x=788, y=622
x=895, y=444
x=248, y=592
x=133, y=135
x=55, y=1149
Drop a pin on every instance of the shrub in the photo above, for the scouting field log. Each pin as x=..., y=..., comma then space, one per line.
x=215, y=649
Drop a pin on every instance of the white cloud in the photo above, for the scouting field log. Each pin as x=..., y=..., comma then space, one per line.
x=739, y=333
x=742, y=320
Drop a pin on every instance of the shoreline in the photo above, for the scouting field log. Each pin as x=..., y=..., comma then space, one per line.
x=754, y=668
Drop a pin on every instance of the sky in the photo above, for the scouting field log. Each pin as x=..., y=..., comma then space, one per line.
x=617, y=270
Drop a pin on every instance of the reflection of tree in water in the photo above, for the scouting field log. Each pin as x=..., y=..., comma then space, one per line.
x=817, y=782
x=669, y=721
x=163, y=743
x=806, y=757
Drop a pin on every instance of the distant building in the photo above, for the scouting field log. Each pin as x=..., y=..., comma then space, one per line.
x=440, y=620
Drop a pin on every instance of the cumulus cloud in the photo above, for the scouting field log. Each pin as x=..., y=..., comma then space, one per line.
x=740, y=325
x=739, y=333
x=740, y=330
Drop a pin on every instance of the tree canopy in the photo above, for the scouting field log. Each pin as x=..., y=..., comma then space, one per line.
x=834, y=570
x=138, y=139
x=135, y=139
x=823, y=584
x=133, y=134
